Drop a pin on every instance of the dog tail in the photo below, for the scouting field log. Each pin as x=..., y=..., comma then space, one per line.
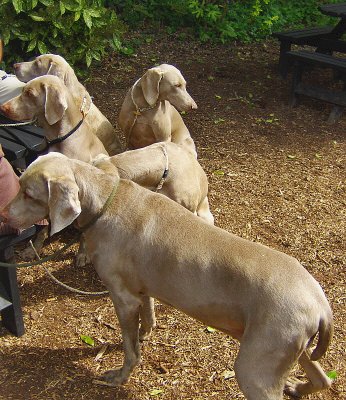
x=325, y=334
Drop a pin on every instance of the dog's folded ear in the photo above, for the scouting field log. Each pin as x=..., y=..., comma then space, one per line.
x=56, y=70
x=63, y=203
x=55, y=104
x=150, y=83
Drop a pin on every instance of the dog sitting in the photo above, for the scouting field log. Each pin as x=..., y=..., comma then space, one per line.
x=51, y=102
x=145, y=245
x=52, y=64
x=149, y=112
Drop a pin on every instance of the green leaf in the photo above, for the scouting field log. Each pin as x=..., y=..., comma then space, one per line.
x=87, y=19
x=62, y=8
x=88, y=340
x=36, y=17
x=218, y=120
x=317, y=155
x=332, y=374
x=291, y=156
x=32, y=45
x=42, y=47
x=218, y=172
x=18, y=5
x=76, y=16
x=155, y=392
x=218, y=97
x=210, y=329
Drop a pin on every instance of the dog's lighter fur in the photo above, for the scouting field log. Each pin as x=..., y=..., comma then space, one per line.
x=159, y=93
x=147, y=245
x=186, y=182
x=53, y=64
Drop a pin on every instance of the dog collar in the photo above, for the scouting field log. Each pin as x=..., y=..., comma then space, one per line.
x=103, y=209
x=62, y=138
x=165, y=172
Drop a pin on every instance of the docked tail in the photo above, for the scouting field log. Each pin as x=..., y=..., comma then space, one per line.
x=325, y=334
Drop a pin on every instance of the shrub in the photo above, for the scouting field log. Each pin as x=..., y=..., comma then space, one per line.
x=79, y=30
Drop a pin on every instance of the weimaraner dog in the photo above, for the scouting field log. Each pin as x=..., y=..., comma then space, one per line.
x=145, y=245
x=52, y=64
x=51, y=102
x=149, y=112
x=167, y=168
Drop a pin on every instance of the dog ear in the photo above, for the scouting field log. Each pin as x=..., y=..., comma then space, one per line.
x=55, y=104
x=56, y=70
x=63, y=203
x=150, y=83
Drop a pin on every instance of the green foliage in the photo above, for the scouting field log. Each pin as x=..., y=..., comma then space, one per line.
x=82, y=31
x=221, y=20
x=79, y=30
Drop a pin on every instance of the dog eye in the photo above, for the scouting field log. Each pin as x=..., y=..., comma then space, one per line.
x=178, y=85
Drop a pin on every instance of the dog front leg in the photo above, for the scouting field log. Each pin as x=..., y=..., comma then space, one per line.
x=127, y=309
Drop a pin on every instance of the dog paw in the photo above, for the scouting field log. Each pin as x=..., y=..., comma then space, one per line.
x=82, y=260
x=292, y=387
x=112, y=378
x=28, y=254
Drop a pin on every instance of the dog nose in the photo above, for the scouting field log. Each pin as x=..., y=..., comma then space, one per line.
x=194, y=106
x=4, y=215
x=15, y=66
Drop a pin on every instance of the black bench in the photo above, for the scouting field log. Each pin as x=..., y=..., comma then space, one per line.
x=303, y=59
x=20, y=145
x=10, y=306
x=308, y=36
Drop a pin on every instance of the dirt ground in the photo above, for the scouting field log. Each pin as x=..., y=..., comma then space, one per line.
x=277, y=176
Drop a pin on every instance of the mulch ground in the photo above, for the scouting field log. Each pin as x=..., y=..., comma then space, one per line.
x=277, y=176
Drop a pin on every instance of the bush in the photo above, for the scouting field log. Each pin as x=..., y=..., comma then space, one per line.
x=221, y=20
x=79, y=30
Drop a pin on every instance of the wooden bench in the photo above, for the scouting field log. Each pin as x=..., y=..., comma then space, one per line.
x=301, y=60
x=308, y=36
x=20, y=145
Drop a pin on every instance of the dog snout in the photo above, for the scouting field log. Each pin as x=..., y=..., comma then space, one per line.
x=193, y=105
x=4, y=109
x=4, y=215
x=16, y=66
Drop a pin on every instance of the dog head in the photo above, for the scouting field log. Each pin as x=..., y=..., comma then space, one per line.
x=166, y=82
x=46, y=64
x=53, y=64
x=46, y=191
x=43, y=98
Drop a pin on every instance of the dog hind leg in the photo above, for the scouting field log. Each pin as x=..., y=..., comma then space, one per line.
x=147, y=315
x=261, y=370
x=318, y=380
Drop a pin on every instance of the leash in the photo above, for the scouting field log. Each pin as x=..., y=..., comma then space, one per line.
x=70, y=288
x=165, y=172
x=138, y=110
x=70, y=243
x=18, y=124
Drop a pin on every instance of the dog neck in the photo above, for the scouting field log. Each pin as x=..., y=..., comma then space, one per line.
x=141, y=105
x=92, y=197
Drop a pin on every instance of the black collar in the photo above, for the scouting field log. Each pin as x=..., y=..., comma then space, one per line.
x=62, y=138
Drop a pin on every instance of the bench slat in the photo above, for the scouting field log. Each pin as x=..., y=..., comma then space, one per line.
x=320, y=59
x=320, y=93
x=303, y=33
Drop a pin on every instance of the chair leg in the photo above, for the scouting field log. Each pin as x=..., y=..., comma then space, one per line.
x=285, y=46
x=296, y=80
x=12, y=315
